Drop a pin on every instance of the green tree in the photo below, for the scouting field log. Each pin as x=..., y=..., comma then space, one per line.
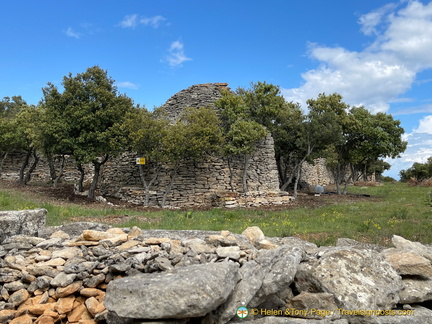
x=90, y=113
x=148, y=135
x=418, y=171
x=327, y=127
x=26, y=127
x=242, y=132
x=194, y=135
x=9, y=107
x=373, y=137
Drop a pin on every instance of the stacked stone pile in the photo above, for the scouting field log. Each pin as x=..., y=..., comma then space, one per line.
x=89, y=273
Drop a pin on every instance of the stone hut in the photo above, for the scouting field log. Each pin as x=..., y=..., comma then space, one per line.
x=203, y=182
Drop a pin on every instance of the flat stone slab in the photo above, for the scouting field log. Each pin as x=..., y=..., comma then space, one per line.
x=192, y=291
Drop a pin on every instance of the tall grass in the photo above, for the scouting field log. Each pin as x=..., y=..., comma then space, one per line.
x=393, y=209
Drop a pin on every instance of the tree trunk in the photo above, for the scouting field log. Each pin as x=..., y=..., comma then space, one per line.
x=231, y=175
x=297, y=180
x=97, y=167
x=244, y=176
x=23, y=167
x=81, y=179
x=3, y=161
x=170, y=185
x=51, y=165
x=61, y=171
x=148, y=185
x=28, y=174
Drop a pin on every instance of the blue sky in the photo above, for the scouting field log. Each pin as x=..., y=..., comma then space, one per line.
x=374, y=53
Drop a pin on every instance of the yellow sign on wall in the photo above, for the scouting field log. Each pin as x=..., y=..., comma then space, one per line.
x=140, y=161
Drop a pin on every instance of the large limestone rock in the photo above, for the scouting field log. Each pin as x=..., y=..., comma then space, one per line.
x=26, y=222
x=358, y=279
x=270, y=273
x=192, y=291
x=404, y=244
x=408, y=262
x=416, y=290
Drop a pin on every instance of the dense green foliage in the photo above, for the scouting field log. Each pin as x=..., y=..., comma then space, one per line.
x=418, y=171
x=91, y=121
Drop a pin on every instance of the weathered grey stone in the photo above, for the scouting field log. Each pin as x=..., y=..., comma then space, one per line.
x=280, y=267
x=192, y=292
x=251, y=276
x=232, y=252
x=359, y=279
x=198, y=245
x=72, y=229
x=63, y=279
x=416, y=290
x=404, y=244
x=253, y=234
x=347, y=242
x=324, y=302
x=408, y=262
x=295, y=242
x=26, y=222
x=14, y=286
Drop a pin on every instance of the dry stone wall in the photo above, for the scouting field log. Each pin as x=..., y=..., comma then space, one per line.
x=88, y=273
x=316, y=173
x=197, y=183
x=12, y=163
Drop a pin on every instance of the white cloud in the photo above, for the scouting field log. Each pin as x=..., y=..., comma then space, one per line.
x=176, y=55
x=71, y=33
x=133, y=20
x=381, y=72
x=425, y=125
x=127, y=84
x=129, y=21
x=153, y=22
x=371, y=21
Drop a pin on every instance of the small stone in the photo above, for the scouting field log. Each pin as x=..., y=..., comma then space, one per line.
x=39, y=309
x=225, y=233
x=63, y=279
x=60, y=234
x=6, y=315
x=266, y=245
x=115, y=231
x=115, y=240
x=94, y=281
x=90, y=235
x=156, y=240
x=67, y=253
x=127, y=245
x=92, y=304
x=232, y=252
x=135, y=232
x=90, y=292
x=163, y=263
x=68, y=290
x=65, y=305
x=24, y=319
x=253, y=234
x=78, y=313
x=55, y=262
x=14, y=286
x=45, y=319
x=19, y=297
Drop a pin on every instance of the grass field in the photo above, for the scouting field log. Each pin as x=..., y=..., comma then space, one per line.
x=393, y=209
